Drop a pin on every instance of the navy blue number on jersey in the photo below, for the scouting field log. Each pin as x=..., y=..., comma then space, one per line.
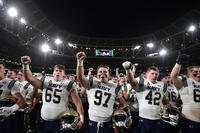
x=50, y=92
x=172, y=96
x=155, y=100
x=98, y=96
x=196, y=93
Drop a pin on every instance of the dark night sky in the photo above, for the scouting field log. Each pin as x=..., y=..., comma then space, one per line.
x=109, y=18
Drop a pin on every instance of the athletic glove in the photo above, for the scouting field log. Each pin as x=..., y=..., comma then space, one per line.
x=182, y=58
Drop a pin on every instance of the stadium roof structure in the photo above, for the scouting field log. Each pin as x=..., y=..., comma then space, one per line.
x=18, y=39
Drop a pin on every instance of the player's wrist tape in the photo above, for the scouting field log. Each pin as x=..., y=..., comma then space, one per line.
x=25, y=67
x=133, y=69
x=82, y=118
x=89, y=73
x=79, y=62
x=128, y=71
x=15, y=107
x=177, y=65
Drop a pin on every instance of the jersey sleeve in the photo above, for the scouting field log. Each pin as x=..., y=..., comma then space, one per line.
x=184, y=90
x=93, y=81
x=71, y=86
x=140, y=81
x=118, y=91
x=45, y=82
x=15, y=87
x=30, y=89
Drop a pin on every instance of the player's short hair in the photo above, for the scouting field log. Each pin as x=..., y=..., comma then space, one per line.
x=154, y=68
x=14, y=70
x=59, y=66
x=103, y=66
x=122, y=75
x=19, y=70
x=191, y=67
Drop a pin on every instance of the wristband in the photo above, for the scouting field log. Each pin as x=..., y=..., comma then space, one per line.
x=177, y=65
x=128, y=71
x=81, y=118
x=15, y=107
x=25, y=67
x=133, y=69
x=79, y=62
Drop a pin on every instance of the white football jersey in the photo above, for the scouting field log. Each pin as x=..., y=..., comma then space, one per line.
x=126, y=87
x=9, y=87
x=149, y=98
x=172, y=94
x=25, y=89
x=132, y=101
x=190, y=95
x=55, y=97
x=101, y=98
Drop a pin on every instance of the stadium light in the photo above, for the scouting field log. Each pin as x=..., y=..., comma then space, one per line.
x=150, y=45
x=72, y=45
x=23, y=21
x=12, y=12
x=1, y=2
x=58, y=41
x=136, y=64
x=163, y=52
x=45, y=48
x=192, y=28
x=137, y=47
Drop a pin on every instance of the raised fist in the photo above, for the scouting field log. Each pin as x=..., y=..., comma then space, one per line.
x=182, y=58
x=127, y=65
x=25, y=60
x=80, y=56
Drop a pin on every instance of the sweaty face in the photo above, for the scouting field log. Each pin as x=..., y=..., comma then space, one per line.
x=152, y=75
x=115, y=80
x=20, y=76
x=195, y=73
x=166, y=80
x=58, y=74
x=103, y=74
x=123, y=79
x=11, y=74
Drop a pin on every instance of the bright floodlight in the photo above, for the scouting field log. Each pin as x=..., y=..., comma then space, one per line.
x=72, y=45
x=192, y=28
x=45, y=48
x=163, y=52
x=137, y=47
x=1, y=2
x=22, y=20
x=136, y=64
x=12, y=12
x=58, y=41
x=150, y=45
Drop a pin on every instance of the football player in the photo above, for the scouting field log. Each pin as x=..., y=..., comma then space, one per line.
x=189, y=89
x=56, y=92
x=149, y=95
x=9, y=88
x=102, y=94
x=173, y=97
